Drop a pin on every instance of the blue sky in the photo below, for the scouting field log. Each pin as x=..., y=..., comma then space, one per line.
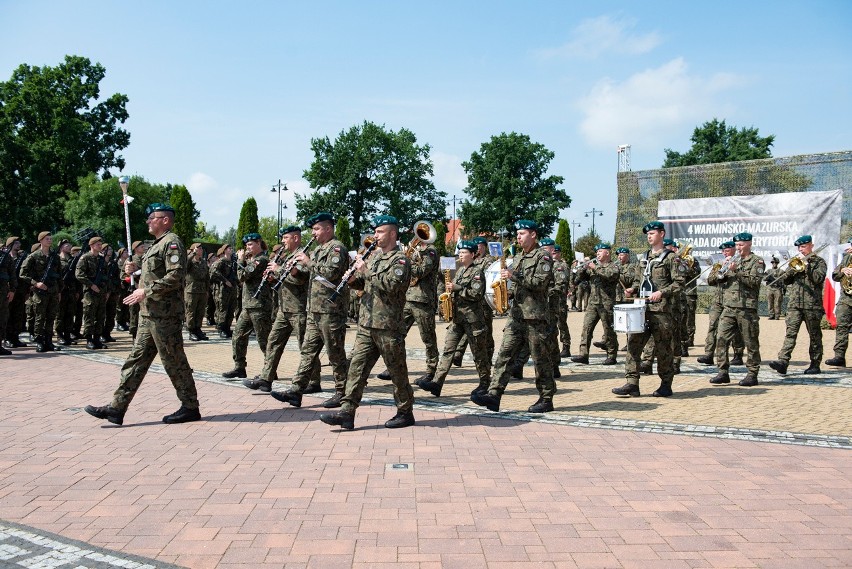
x=225, y=97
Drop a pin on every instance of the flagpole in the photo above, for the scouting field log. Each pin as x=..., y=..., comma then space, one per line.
x=124, y=181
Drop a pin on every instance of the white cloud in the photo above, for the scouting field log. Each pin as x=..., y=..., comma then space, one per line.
x=652, y=104
x=449, y=174
x=200, y=183
x=594, y=37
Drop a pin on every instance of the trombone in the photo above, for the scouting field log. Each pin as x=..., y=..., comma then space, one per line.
x=797, y=264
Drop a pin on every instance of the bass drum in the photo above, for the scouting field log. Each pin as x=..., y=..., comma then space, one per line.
x=492, y=275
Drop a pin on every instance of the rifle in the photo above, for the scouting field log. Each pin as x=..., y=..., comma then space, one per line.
x=349, y=272
x=288, y=266
x=96, y=280
x=51, y=256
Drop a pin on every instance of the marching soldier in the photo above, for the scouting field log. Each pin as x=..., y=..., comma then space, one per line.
x=626, y=272
x=740, y=289
x=122, y=315
x=111, y=289
x=843, y=274
x=195, y=293
x=659, y=282
x=691, y=293
x=804, y=303
x=92, y=275
x=603, y=276
x=138, y=248
x=384, y=277
x=17, y=305
x=562, y=277
x=715, y=311
x=257, y=312
x=211, y=291
x=223, y=275
x=774, y=290
x=531, y=274
x=484, y=259
x=160, y=294
x=41, y=270
x=8, y=285
x=70, y=296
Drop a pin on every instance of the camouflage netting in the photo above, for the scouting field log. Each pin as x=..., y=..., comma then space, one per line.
x=639, y=192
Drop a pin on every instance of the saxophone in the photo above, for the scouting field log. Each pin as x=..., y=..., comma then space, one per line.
x=445, y=301
x=501, y=291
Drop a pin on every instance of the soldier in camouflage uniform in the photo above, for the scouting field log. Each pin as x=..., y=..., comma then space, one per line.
x=91, y=272
x=774, y=290
x=223, y=275
x=740, y=289
x=715, y=311
x=531, y=275
x=602, y=275
x=468, y=320
x=659, y=282
x=160, y=293
x=843, y=310
x=122, y=315
x=8, y=284
x=326, y=324
x=113, y=292
x=139, y=249
x=16, y=321
x=562, y=278
x=257, y=312
x=70, y=295
x=804, y=303
x=384, y=277
x=691, y=305
x=291, y=316
x=484, y=259
x=195, y=294
x=41, y=270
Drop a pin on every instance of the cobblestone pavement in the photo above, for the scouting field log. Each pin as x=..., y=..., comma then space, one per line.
x=260, y=484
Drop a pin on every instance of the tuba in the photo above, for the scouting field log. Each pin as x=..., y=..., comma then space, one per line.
x=685, y=255
x=445, y=301
x=501, y=290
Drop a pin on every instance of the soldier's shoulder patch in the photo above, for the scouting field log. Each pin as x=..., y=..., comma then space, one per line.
x=545, y=267
x=174, y=259
x=337, y=249
x=173, y=245
x=476, y=278
x=402, y=261
x=681, y=268
x=432, y=252
x=397, y=271
x=476, y=285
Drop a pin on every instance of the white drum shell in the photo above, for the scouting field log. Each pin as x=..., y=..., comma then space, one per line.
x=629, y=318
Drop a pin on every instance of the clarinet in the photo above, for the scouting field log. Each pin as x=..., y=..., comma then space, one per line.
x=349, y=272
x=288, y=266
x=263, y=281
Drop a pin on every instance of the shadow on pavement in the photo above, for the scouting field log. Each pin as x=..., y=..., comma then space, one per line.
x=614, y=405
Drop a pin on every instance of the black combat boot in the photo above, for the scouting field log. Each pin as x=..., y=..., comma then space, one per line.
x=565, y=353
x=41, y=344
x=193, y=336
x=599, y=344
x=487, y=400
x=385, y=375
x=646, y=368
x=609, y=361
x=429, y=385
x=663, y=391
x=106, y=337
x=345, y=421
x=334, y=401
x=4, y=351
x=292, y=398
x=580, y=359
x=541, y=406
x=749, y=380
x=737, y=360
x=779, y=366
x=236, y=372
x=200, y=333
x=813, y=369
x=627, y=390
x=65, y=339
x=222, y=333
x=15, y=342
x=182, y=415
x=90, y=343
x=705, y=359
x=258, y=384
x=836, y=361
x=51, y=347
x=400, y=420
x=721, y=377
x=107, y=412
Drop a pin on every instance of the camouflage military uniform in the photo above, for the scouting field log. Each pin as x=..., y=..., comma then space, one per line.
x=666, y=273
x=134, y=308
x=581, y=291
x=804, y=304
x=484, y=263
x=160, y=325
x=626, y=273
x=843, y=311
x=256, y=313
x=688, y=336
x=113, y=292
x=68, y=299
x=740, y=289
x=8, y=283
x=381, y=330
x=16, y=321
x=45, y=302
x=468, y=322
x=561, y=280
x=714, y=313
x=224, y=271
x=774, y=292
x=326, y=325
x=531, y=275
x=195, y=294
x=421, y=301
x=91, y=270
x=603, y=280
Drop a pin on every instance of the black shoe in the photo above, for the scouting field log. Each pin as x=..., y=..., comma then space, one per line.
x=223, y=334
x=90, y=344
x=480, y=389
x=517, y=374
x=737, y=360
x=610, y=361
x=684, y=353
x=556, y=373
x=580, y=359
x=385, y=375
x=425, y=378
x=98, y=344
x=17, y=343
x=647, y=369
x=457, y=360
x=236, y=372
x=721, y=377
x=431, y=387
x=107, y=338
x=601, y=345
x=210, y=322
x=229, y=333
x=663, y=391
x=341, y=419
x=258, y=384
x=541, y=406
x=4, y=352
x=749, y=380
x=65, y=340
x=628, y=390
x=676, y=369
x=836, y=361
x=334, y=401
x=705, y=359
x=200, y=333
x=193, y=336
x=490, y=402
x=565, y=353
x=400, y=420
x=312, y=389
x=779, y=366
x=292, y=398
x=51, y=347
x=112, y=415
x=182, y=415
x=41, y=345
x=813, y=369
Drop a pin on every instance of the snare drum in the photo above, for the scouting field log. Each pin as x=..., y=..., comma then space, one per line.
x=629, y=318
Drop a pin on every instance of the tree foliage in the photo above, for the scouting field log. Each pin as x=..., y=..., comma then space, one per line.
x=586, y=244
x=507, y=181
x=53, y=132
x=715, y=142
x=249, y=222
x=369, y=170
x=441, y=239
x=206, y=234
x=268, y=228
x=186, y=213
x=563, y=239
x=342, y=233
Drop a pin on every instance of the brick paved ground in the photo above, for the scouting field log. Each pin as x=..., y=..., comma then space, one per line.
x=258, y=485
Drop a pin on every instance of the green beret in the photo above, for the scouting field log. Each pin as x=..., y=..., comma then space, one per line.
x=317, y=217
x=557, y=248
x=669, y=242
x=600, y=246
x=479, y=240
x=526, y=224
x=803, y=240
x=742, y=236
x=726, y=245
x=654, y=225
x=621, y=250
x=289, y=229
x=380, y=220
x=546, y=241
x=158, y=207
x=251, y=237
x=469, y=245
x=774, y=260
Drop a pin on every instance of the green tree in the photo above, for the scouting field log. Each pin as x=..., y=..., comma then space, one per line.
x=230, y=236
x=507, y=181
x=342, y=233
x=715, y=142
x=369, y=170
x=97, y=204
x=249, y=222
x=206, y=234
x=53, y=131
x=563, y=239
x=441, y=239
x=268, y=228
x=586, y=244
x=186, y=213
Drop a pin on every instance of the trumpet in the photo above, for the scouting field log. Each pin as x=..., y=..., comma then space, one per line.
x=728, y=265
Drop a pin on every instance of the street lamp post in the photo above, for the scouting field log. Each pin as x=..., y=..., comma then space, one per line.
x=277, y=188
x=574, y=226
x=593, y=212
